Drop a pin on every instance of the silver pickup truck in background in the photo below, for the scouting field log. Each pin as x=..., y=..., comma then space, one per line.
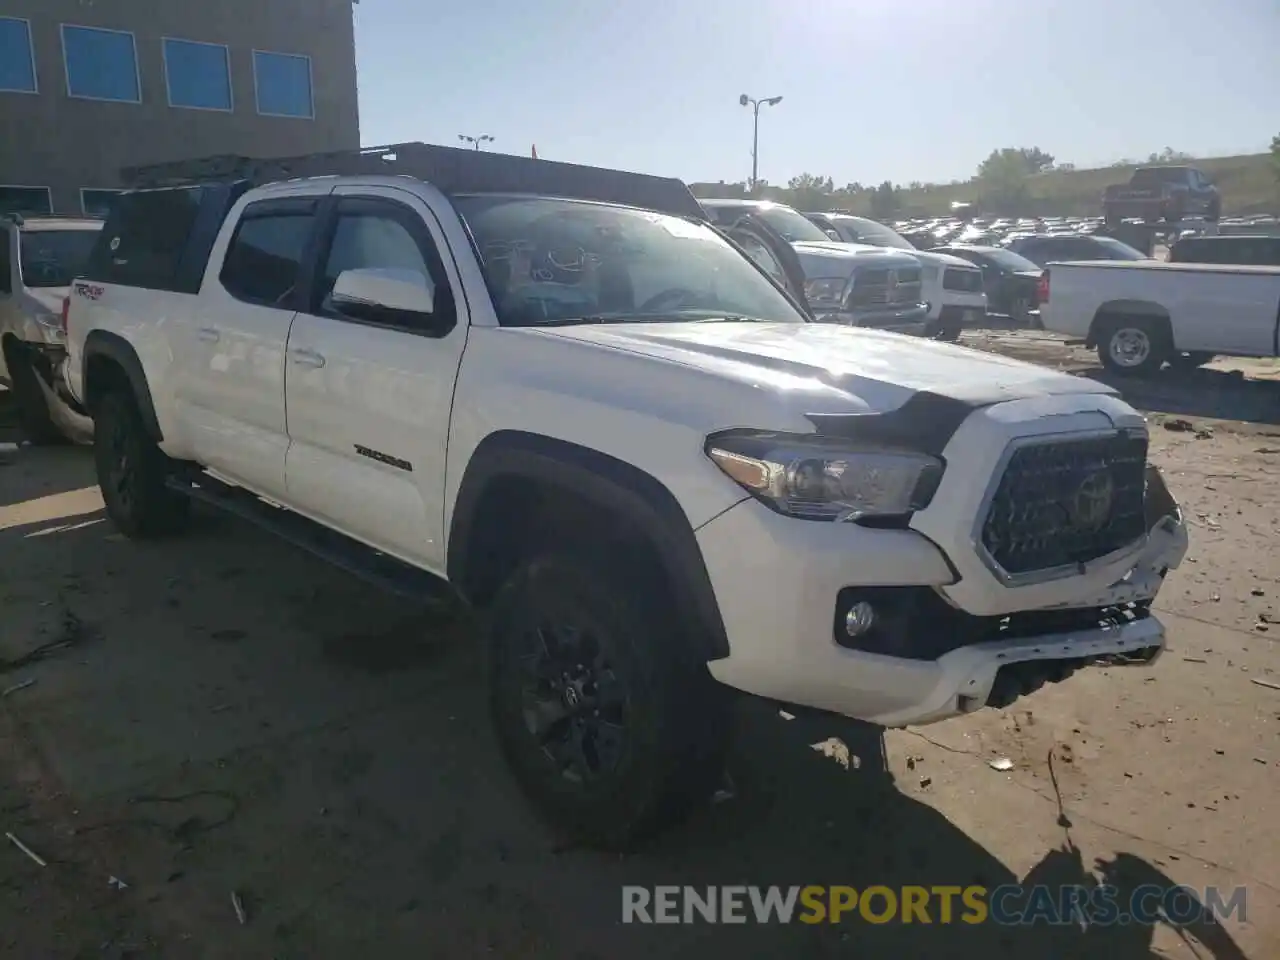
x=1141, y=314
x=854, y=284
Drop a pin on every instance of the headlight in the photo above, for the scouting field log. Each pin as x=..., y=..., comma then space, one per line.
x=828, y=290
x=824, y=478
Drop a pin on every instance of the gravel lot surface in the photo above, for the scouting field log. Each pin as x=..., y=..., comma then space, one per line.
x=224, y=714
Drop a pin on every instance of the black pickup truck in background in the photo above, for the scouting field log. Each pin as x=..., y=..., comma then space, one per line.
x=1166, y=193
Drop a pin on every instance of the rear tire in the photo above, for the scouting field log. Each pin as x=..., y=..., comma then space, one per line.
x=132, y=472
x=1133, y=346
x=34, y=419
x=611, y=724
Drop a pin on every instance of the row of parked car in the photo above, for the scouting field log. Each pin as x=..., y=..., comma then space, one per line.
x=925, y=277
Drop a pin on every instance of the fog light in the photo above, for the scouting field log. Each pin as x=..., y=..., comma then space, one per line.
x=860, y=618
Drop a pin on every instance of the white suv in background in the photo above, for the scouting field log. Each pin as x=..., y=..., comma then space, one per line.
x=39, y=257
x=951, y=286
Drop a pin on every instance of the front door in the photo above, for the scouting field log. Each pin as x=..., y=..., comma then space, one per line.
x=368, y=402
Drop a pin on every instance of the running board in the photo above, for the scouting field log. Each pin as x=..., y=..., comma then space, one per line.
x=354, y=557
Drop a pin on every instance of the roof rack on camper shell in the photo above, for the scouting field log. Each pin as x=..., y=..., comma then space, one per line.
x=450, y=169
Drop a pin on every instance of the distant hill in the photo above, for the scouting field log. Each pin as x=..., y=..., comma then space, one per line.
x=1247, y=183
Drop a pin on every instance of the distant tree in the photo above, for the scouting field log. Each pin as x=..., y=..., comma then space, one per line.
x=885, y=201
x=720, y=190
x=1002, y=179
x=1036, y=159
x=810, y=192
x=1010, y=160
x=1169, y=155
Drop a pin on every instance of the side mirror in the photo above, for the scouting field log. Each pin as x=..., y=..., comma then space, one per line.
x=383, y=293
x=833, y=235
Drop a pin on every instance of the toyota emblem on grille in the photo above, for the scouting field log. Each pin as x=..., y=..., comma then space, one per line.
x=1091, y=504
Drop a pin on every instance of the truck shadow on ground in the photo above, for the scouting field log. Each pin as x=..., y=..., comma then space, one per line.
x=367, y=811
x=1216, y=394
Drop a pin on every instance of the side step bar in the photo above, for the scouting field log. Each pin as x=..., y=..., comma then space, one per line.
x=350, y=555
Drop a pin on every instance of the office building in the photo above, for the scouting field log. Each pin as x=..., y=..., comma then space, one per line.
x=90, y=86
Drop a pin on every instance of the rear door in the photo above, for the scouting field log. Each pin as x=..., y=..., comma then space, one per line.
x=230, y=350
x=368, y=400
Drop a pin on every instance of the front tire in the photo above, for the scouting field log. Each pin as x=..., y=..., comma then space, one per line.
x=132, y=472
x=1135, y=346
x=611, y=724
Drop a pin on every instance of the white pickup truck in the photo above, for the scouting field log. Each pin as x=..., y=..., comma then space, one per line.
x=564, y=393
x=1141, y=314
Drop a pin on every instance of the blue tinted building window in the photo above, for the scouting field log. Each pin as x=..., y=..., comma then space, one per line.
x=283, y=83
x=17, y=63
x=198, y=74
x=101, y=64
x=30, y=200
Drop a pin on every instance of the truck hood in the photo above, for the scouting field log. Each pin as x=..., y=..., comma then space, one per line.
x=832, y=259
x=833, y=369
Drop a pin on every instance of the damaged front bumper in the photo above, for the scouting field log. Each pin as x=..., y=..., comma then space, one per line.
x=925, y=658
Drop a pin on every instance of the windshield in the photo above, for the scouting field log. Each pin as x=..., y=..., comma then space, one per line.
x=1152, y=176
x=552, y=261
x=52, y=258
x=857, y=230
x=1007, y=260
x=1115, y=250
x=793, y=227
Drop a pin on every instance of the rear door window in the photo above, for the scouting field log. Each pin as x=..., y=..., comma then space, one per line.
x=144, y=239
x=264, y=260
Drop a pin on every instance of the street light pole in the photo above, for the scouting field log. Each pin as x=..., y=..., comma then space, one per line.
x=756, y=104
x=475, y=141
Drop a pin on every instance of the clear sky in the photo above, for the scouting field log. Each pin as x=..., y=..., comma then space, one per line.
x=873, y=89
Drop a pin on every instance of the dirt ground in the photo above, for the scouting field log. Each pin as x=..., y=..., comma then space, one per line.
x=185, y=721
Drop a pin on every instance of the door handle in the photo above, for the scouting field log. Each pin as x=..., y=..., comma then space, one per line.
x=307, y=358
x=208, y=334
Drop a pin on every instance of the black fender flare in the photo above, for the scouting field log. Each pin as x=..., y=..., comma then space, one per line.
x=605, y=482
x=112, y=346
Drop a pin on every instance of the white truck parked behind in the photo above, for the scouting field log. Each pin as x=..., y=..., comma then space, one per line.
x=563, y=392
x=1142, y=314
x=38, y=258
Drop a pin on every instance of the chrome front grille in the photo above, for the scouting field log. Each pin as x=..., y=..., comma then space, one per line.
x=886, y=288
x=1063, y=503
